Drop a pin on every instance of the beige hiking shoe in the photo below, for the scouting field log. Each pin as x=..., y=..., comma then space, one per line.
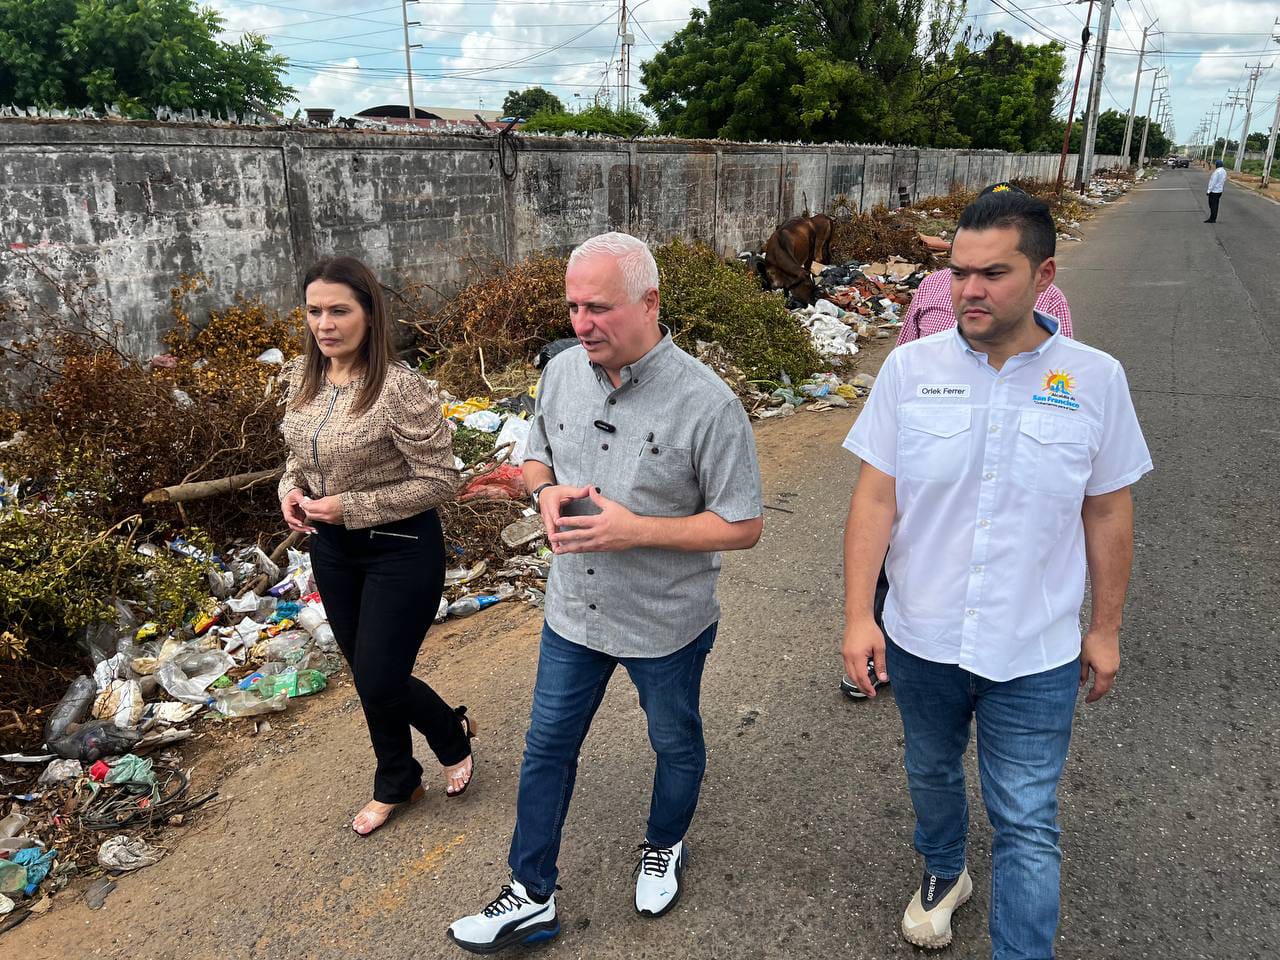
x=927, y=921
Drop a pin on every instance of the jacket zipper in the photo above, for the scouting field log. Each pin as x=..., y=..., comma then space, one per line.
x=388, y=533
x=315, y=438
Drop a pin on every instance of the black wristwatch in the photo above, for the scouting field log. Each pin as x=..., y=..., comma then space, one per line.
x=537, y=490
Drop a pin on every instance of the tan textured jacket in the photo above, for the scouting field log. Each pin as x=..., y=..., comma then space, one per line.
x=391, y=462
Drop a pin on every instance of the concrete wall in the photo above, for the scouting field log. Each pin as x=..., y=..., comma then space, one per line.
x=126, y=209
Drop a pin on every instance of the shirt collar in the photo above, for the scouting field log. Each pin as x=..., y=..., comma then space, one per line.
x=646, y=366
x=1046, y=322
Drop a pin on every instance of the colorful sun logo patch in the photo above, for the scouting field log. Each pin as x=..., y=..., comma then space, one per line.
x=1003, y=188
x=1060, y=382
x=1058, y=390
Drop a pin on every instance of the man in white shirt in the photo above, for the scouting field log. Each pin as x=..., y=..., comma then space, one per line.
x=1217, y=180
x=996, y=464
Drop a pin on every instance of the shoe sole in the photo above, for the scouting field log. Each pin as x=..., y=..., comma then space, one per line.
x=527, y=936
x=651, y=915
x=922, y=939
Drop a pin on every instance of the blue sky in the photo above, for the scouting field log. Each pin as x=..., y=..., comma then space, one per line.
x=349, y=55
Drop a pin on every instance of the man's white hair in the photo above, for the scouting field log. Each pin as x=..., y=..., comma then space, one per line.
x=639, y=269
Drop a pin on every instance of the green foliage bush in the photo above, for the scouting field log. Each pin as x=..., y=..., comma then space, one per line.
x=60, y=573
x=706, y=298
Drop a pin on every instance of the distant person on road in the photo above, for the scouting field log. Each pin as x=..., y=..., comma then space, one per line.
x=370, y=458
x=931, y=312
x=643, y=466
x=1217, y=181
x=996, y=465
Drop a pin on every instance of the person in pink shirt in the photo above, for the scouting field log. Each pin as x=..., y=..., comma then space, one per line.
x=931, y=312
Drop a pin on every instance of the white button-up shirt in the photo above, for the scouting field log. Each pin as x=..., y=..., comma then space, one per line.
x=1217, y=180
x=986, y=559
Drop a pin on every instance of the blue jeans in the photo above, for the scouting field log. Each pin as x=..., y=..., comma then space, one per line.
x=1024, y=727
x=570, y=685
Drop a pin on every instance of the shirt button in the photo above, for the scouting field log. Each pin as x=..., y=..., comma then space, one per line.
x=613, y=403
x=967, y=613
x=977, y=569
x=988, y=476
x=984, y=523
x=591, y=607
x=995, y=428
x=604, y=446
x=590, y=571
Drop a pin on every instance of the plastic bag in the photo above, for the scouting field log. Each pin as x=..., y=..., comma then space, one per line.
x=72, y=708
x=95, y=740
x=121, y=703
x=60, y=770
x=123, y=853
x=503, y=483
x=554, y=349
x=516, y=431
x=186, y=676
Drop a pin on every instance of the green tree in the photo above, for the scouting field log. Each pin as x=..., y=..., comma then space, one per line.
x=525, y=103
x=728, y=73
x=599, y=120
x=1000, y=97
x=137, y=54
x=816, y=70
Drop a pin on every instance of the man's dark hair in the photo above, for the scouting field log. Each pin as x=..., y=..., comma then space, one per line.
x=1037, y=235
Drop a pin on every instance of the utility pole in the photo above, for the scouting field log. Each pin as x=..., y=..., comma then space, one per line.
x=1071, y=112
x=1142, y=150
x=408, y=57
x=1217, y=120
x=627, y=40
x=1095, y=99
x=1133, y=104
x=1254, y=75
x=1275, y=123
x=1236, y=99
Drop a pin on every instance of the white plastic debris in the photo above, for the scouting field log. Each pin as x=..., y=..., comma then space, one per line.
x=123, y=853
x=514, y=430
x=483, y=420
x=273, y=356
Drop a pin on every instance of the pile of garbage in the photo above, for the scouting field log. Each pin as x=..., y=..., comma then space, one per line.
x=264, y=641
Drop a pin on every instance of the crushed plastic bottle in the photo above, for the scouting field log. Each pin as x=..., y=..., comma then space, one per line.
x=247, y=703
x=292, y=683
x=467, y=606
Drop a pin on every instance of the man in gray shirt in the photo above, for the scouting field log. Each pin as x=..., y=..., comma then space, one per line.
x=643, y=466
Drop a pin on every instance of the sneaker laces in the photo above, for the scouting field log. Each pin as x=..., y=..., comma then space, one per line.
x=654, y=860
x=505, y=902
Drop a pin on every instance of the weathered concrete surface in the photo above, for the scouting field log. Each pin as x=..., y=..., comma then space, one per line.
x=133, y=207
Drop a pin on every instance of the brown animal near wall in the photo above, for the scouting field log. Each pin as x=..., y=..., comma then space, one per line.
x=791, y=251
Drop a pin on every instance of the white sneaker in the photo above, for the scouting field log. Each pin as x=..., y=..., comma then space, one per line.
x=658, y=877
x=510, y=919
x=927, y=920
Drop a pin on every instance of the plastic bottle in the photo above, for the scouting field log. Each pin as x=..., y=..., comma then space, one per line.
x=247, y=703
x=72, y=708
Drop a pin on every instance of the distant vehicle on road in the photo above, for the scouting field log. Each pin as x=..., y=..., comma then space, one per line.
x=1179, y=161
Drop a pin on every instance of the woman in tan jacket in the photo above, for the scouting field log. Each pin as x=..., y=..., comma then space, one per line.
x=370, y=458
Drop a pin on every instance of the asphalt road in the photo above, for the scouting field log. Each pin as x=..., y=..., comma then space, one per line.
x=1172, y=829
x=802, y=844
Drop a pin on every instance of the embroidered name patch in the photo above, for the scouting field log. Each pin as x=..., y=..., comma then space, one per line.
x=950, y=391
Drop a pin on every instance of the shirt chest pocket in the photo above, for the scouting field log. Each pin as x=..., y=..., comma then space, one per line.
x=665, y=483
x=933, y=442
x=564, y=443
x=1052, y=454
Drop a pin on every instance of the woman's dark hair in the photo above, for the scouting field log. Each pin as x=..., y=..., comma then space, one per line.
x=1037, y=235
x=376, y=349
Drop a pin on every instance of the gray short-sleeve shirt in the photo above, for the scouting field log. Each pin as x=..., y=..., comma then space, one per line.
x=671, y=441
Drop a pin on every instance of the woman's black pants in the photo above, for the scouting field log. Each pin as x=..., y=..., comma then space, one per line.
x=381, y=588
